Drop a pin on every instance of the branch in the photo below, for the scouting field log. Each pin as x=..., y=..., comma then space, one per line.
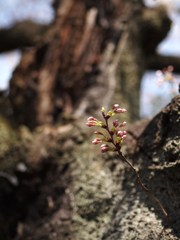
x=22, y=34
x=159, y=62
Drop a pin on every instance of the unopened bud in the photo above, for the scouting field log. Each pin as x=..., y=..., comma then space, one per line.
x=97, y=141
x=91, y=119
x=123, y=124
x=103, y=110
x=120, y=110
x=115, y=106
x=120, y=133
x=104, y=148
x=116, y=123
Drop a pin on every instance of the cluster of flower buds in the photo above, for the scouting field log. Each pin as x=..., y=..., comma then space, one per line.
x=166, y=74
x=110, y=137
x=115, y=109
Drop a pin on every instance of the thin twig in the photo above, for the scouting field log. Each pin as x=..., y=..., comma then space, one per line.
x=148, y=191
x=124, y=159
x=115, y=138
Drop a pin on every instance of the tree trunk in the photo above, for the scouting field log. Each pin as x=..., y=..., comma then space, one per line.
x=59, y=186
x=92, y=45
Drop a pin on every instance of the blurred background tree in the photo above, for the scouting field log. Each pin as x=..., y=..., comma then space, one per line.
x=113, y=44
x=89, y=54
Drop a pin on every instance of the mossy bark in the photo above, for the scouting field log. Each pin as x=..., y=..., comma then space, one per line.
x=69, y=190
x=83, y=194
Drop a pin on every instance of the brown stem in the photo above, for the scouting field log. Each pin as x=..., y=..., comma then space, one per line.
x=143, y=186
x=124, y=159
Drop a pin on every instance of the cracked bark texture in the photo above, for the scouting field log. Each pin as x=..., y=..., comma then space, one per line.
x=72, y=191
x=66, y=189
x=91, y=45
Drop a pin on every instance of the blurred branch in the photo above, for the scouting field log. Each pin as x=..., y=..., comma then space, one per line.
x=159, y=62
x=22, y=34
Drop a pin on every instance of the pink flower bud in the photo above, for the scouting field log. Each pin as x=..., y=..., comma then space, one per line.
x=115, y=106
x=124, y=136
x=116, y=123
x=91, y=119
x=104, y=148
x=120, y=110
x=120, y=133
x=123, y=124
x=97, y=141
x=91, y=123
x=104, y=145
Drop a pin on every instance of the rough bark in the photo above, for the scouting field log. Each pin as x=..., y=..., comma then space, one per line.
x=92, y=45
x=21, y=35
x=65, y=188
x=71, y=191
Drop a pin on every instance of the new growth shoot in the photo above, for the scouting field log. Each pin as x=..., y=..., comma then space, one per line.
x=115, y=135
x=110, y=136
